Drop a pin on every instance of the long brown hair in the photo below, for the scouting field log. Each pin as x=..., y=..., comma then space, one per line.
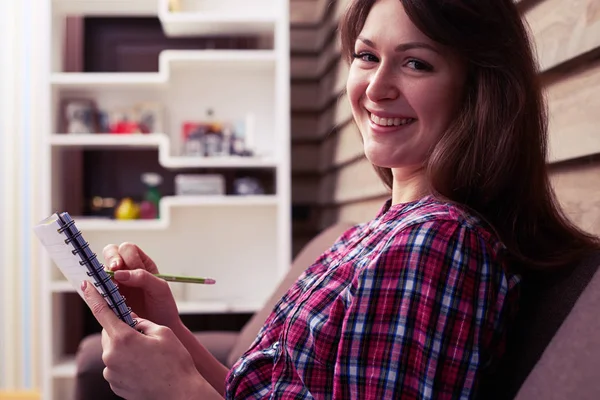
x=492, y=159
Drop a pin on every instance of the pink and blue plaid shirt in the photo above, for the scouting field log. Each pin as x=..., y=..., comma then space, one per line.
x=413, y=305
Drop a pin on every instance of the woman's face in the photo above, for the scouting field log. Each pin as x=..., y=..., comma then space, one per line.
x=403, y=87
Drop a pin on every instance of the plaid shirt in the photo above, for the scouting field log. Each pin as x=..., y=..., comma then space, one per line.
x=413, y=305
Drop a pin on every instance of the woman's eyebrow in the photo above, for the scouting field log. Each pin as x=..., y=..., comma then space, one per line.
x=403, y=46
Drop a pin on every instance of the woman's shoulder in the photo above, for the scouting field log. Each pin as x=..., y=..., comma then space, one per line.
x=435, y=215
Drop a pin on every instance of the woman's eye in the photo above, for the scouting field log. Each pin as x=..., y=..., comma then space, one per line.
x=368, y=57
x=419, y=65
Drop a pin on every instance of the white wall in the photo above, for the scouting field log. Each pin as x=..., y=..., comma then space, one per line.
x=4, y=80
x=22, y=90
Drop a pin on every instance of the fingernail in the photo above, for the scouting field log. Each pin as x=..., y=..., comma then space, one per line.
x=122, y=275
x=114, y=264
x=84, y=285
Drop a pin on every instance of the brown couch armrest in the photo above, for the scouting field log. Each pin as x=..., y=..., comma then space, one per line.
x=568, y=368
x=90, y=384
x=218, y=343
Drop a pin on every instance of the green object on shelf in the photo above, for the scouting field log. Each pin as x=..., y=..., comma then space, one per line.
x=153, y=195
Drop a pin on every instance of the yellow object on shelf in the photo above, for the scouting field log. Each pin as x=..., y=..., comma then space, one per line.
x=174, y=5
x=127, y=209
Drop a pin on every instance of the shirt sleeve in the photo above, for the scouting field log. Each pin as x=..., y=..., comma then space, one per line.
x=420, y=315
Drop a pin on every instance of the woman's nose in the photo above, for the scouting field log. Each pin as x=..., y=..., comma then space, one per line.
x=382, y=86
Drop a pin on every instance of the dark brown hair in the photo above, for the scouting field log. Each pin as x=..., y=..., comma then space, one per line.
x=492, y=159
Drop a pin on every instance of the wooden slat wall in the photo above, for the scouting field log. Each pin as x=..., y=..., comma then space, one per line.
x=327, y=143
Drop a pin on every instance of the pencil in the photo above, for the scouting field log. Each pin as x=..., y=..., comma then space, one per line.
x=175, y=278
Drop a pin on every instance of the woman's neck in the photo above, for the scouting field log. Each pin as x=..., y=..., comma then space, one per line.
x=409, y=185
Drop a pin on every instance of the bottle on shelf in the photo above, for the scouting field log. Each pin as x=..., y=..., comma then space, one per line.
x=150, y=205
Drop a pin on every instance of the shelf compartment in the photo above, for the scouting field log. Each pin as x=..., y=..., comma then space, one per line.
x=168, y=202
x=184, y=307
x=235, y=245
x=215, y=17
x=209, y=307
x=237, y=86
x=161, y=142
x=104, y=7
x=168, y=61
x=196, y=17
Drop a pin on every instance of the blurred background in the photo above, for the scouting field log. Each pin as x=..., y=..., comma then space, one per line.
x=215, y=134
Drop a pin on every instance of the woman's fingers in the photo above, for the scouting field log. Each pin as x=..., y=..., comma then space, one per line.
x=127, y=256
x=141, y=278
x=112, y=258
x=134, y=258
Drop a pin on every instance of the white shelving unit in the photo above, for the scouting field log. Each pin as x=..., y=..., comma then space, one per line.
x=241, y=241
x=162, y=143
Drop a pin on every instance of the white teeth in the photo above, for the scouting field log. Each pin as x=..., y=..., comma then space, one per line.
x=390, y=121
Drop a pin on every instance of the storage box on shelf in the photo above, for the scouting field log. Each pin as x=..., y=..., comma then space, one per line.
x=241, y=241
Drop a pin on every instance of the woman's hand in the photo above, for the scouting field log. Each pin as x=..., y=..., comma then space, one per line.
x=152, y=365
x=148, y=296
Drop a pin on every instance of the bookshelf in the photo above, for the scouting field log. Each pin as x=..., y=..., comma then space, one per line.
x=243, y=241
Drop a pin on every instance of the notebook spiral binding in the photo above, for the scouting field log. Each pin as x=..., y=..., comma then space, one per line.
x=95, y=269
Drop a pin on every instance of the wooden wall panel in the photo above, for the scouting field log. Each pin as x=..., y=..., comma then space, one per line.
x=341, y=147
x=333, y=83
x=305, y=95
x=363, y=211
x=578, y=190
x=310, y=40
x=305, y=190
x=311, y=66
x=356, y=213
x=306, y=157
x=307, y=12
x=338, y=114
x=564, y=29
x=305, y=126
x=351, y=183
x=314, y=94
x=574, y=105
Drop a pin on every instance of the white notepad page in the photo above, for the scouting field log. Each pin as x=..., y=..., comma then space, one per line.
x=61, y=252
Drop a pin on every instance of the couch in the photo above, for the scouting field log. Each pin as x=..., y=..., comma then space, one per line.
x=553, y=352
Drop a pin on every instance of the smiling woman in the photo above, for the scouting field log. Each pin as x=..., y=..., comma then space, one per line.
x=471, y=97
x=418, y=302
x=404, y=89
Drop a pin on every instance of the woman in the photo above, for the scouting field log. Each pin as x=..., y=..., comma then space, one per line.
x=415, y=304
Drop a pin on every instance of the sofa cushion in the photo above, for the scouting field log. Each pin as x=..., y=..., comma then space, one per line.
x=547, y=298
x=570, y=365
x=218, y=343
x=310, y=252
x=91, y=385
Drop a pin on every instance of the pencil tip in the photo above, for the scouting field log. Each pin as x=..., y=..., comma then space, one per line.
x=210, y=281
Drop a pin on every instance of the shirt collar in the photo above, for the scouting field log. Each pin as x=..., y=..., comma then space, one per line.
x=388, y=211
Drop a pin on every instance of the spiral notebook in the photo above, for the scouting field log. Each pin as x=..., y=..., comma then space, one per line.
x=72, y=254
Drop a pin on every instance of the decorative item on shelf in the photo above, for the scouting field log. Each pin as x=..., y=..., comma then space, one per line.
x=247, y=186
x=140, y=118
x=78, y=116
x=102, y=206
x=149, y=207
x=174, y=5
x=214, y=138
x=199, y=185
x=127, y=209
x=150, y=117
